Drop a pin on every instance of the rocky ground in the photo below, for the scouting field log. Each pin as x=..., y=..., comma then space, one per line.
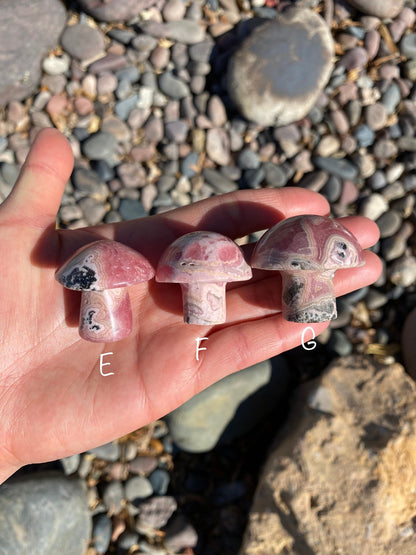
x=141, y=90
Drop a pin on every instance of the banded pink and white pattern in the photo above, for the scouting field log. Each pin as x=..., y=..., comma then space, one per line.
x=307, y=250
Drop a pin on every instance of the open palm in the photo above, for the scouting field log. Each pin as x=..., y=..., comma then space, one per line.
x=53, y=399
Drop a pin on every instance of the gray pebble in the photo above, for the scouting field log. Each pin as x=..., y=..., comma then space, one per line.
x=153, y=129
x=93, y=210
x=101, y=532
x=339, y=343
x=113, y=496
x=132, y=175
x=70, y=464
x=332, y=188
x=364, y=135
x=395, y=246
x=185, y=31
x=201, y=51
x=131, y=209
x=248, y=159
x=123, y=108
x=100, y=146
x=44, y=513
x=337, y=166
x=137, y=489
x=177, y=131
x=125, y=36
x=189, y=165
x=375, y=299
x=389, y=223
x=126, y=542
x=82, y=41
x=372, y=43
x=407, y=144
x=379, y=8
x=378, y=180
x=408, y=46
x=391, y=98
x=107, y=452
x=274, y=175
x=220, y=183
x=172, y=86
x=160, y=480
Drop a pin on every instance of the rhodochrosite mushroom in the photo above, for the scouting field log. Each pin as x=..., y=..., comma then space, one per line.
x=308, y=250
x=102, y=271
x=203, y=262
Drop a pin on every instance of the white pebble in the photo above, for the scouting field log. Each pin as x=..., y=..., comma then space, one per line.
x=56, y=65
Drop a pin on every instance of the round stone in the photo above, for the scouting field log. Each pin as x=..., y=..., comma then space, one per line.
x=378, y=8
x=100, y=146
x=375, y=116
x=408, y=46
x=114, y=10
x=82, y=41
x=277, y=74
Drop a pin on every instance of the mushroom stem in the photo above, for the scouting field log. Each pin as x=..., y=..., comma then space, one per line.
x=203, y=303
x=105, y=316
x=308, y=297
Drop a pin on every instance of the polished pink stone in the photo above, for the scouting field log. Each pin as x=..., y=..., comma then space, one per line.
x=308, y=250
x=105, y=316
x=203, y=262
x=102, y=270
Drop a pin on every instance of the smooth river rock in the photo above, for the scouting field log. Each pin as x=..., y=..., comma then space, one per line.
x=44, y=513
x=230, y=407
x=276, y=75
x=28, y=30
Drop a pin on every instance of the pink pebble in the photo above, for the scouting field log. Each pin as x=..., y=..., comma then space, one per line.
x=83, y=106
x=57, y=105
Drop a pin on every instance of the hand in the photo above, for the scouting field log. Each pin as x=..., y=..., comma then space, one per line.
x=53, y=400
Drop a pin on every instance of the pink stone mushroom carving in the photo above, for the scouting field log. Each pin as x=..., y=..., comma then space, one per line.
x=203, y=262
x=308, y=250
x=102, y=271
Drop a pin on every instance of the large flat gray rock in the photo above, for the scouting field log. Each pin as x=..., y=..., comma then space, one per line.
x=28, y=30
x=44, y=514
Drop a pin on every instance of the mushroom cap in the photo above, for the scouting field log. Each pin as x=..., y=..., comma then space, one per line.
x=102, y=265
x=204, y=257
x=308, y=242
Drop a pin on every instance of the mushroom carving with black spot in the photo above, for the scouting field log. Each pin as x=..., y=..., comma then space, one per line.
x=102, y=271
x=307, y=250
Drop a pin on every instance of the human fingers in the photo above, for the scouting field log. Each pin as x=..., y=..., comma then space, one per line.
x=36, y=196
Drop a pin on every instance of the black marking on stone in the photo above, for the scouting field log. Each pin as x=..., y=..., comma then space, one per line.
x=80, y=279
x=341, y=248
x=89, y=321
x=291, y=292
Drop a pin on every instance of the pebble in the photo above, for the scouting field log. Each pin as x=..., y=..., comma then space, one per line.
x=379, y=8
x=88, y=182
x=160, y=480
x=156, y=511
x=123, y=108
x=107, y=452
x=83, y=42
x=101, y=532
x=174, y=10
x=375, y=116
x=56, y=65
x=131, y=209
x=292, y=88
x=185, y=31
x=180, y=534
x=364, y=135
x=403, y=271
x=337, y=166
x=113, y=496
x=408, y=46
x=143, y=465
x=44, y=513
x=137, y=489
x=172, y=86
x=355, y=58
x=93, y=210
x=327, y=146
x=177, y=131
x=220, y=183
x=391, y=98
x=100, y=146
x=385, y=148
x=374, y=206
x=332, y=188
x=248, y=159
x=372, y=43
x=218, y=146
x=394, y=246
x=389, y=223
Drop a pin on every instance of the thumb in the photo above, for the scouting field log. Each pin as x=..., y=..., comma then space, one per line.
x=36, y=196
